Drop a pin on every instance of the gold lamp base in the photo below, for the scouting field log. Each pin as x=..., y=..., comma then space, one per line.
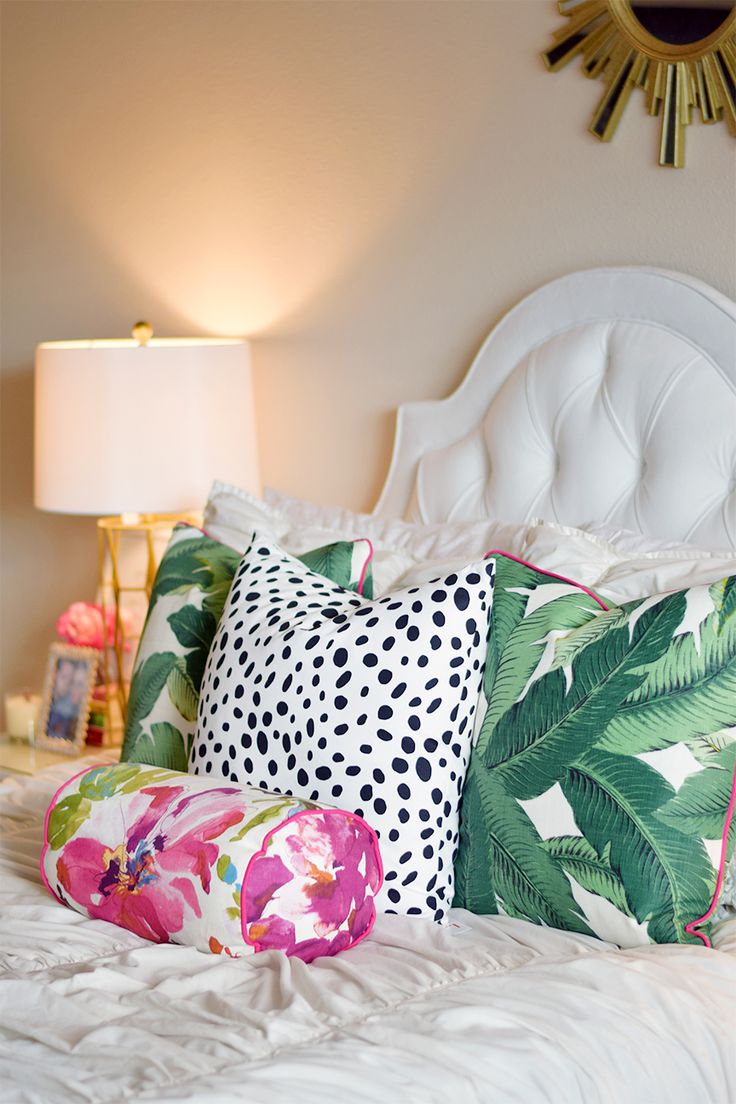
x=128, y=560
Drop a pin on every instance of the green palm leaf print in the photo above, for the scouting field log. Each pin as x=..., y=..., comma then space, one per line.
x=592, y=871
x=164, y=746
x=615, y=799
x=518, y=638
x=537, y=738
x=335, y=561
x=728, y=607
x=688, y=692
x=527, y=881
x=701, y=804
x=569, y=645
x=474, y=885
x=183, y=693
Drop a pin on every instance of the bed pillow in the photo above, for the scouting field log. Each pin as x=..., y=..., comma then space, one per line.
x=632, y=542
x=622, y=565
x=404, y=553
x=310, y=689
x=224, y=868
x=188, y=596
x=232, y=514
x=600, y=795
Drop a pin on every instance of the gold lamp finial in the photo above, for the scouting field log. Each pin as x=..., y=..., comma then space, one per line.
x=142, y=332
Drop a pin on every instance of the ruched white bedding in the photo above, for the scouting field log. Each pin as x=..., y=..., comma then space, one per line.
x=501, y=1011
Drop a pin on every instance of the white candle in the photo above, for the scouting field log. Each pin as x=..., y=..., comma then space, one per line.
x=21, y=715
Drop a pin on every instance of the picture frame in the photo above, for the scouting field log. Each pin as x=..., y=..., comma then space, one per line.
x=71, y=674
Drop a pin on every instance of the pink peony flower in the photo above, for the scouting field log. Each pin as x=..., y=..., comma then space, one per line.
x=82, y=624
x=311, y=847
x=141, y=878
x=321, y=873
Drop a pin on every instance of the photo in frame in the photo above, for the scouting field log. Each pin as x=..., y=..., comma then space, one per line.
x=70, y=678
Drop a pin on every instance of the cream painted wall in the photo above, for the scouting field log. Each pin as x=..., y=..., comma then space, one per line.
x=364, y=187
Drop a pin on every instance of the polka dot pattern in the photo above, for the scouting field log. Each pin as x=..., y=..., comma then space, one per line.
x=312, y=691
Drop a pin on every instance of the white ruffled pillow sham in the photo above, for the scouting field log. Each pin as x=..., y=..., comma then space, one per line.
x=404, y=554
x=622, y=565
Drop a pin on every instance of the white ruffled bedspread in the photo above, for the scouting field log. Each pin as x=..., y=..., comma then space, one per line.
x=503, y=1011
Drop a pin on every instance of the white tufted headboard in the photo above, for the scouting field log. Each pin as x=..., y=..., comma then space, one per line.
x=607, y=395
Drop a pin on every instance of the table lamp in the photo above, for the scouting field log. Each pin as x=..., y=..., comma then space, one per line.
x=134, y=431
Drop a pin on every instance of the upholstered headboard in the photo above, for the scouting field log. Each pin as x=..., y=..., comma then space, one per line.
x=607, y=395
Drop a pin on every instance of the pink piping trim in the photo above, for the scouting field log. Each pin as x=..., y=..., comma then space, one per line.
x=264, y=846
x=46, y=819
x=368, y=559
x=550, y=574
x=690, y=928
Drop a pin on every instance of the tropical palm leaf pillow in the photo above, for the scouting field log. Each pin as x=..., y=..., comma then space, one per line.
x=600, y=795
x=189, y=593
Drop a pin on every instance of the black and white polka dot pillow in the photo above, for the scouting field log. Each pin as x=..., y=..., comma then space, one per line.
x=313, y=691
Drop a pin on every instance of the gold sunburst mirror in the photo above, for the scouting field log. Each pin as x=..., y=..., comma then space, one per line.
x=682, y=53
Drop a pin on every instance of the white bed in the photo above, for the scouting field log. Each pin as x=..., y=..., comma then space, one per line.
x=608, y=396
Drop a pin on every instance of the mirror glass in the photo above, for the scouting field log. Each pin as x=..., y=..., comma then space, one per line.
x=682, y=23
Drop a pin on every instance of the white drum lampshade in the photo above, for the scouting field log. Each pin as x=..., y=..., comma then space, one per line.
x=123, y=427
x=138, y=429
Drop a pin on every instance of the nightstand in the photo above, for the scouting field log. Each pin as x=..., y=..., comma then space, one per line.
x=21, y=758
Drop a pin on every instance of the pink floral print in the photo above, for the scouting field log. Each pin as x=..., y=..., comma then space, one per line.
x=321, y=867
x=140, y=881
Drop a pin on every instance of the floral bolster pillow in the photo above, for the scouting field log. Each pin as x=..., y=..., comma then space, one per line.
x=188, y=596
x=225, y=868
x=600, y=794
